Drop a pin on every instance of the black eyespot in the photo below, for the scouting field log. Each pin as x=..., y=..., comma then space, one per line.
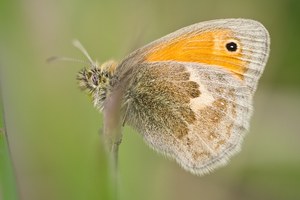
x=231, y=46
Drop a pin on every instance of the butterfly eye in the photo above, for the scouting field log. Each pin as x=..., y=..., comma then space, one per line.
x=95, y=79
x=231, y=46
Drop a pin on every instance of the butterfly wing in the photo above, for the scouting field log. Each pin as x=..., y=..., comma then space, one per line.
x=205, y=43
x=194, y=113
x=190, y=96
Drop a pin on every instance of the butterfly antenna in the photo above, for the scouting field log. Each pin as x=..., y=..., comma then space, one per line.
x=79, y=46
x=59, y=58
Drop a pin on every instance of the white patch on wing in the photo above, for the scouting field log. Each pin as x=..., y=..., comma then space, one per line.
x=205, y=98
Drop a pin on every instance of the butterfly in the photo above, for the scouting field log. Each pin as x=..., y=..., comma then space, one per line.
x=190, y=93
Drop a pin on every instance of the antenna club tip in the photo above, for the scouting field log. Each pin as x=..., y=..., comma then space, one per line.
x=76, y=42
x=51, y=59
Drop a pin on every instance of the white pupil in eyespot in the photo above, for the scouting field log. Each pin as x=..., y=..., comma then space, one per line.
x=231, y=46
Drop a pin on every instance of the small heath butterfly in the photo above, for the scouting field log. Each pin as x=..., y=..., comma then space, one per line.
x=189, y=94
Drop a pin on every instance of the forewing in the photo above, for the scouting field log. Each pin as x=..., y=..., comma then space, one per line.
x=205, y=43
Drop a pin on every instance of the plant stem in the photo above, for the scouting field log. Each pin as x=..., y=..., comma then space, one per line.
x=112, y=135
x=8, y=177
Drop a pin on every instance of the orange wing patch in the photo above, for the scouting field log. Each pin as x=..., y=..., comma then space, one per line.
x=206, y=47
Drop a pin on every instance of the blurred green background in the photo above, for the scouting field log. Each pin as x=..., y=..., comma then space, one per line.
x=53, y=128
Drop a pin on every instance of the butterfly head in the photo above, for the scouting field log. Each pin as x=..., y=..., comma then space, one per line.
x=96, y=80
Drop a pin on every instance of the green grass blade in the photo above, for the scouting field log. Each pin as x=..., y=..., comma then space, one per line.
x=8, y=189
